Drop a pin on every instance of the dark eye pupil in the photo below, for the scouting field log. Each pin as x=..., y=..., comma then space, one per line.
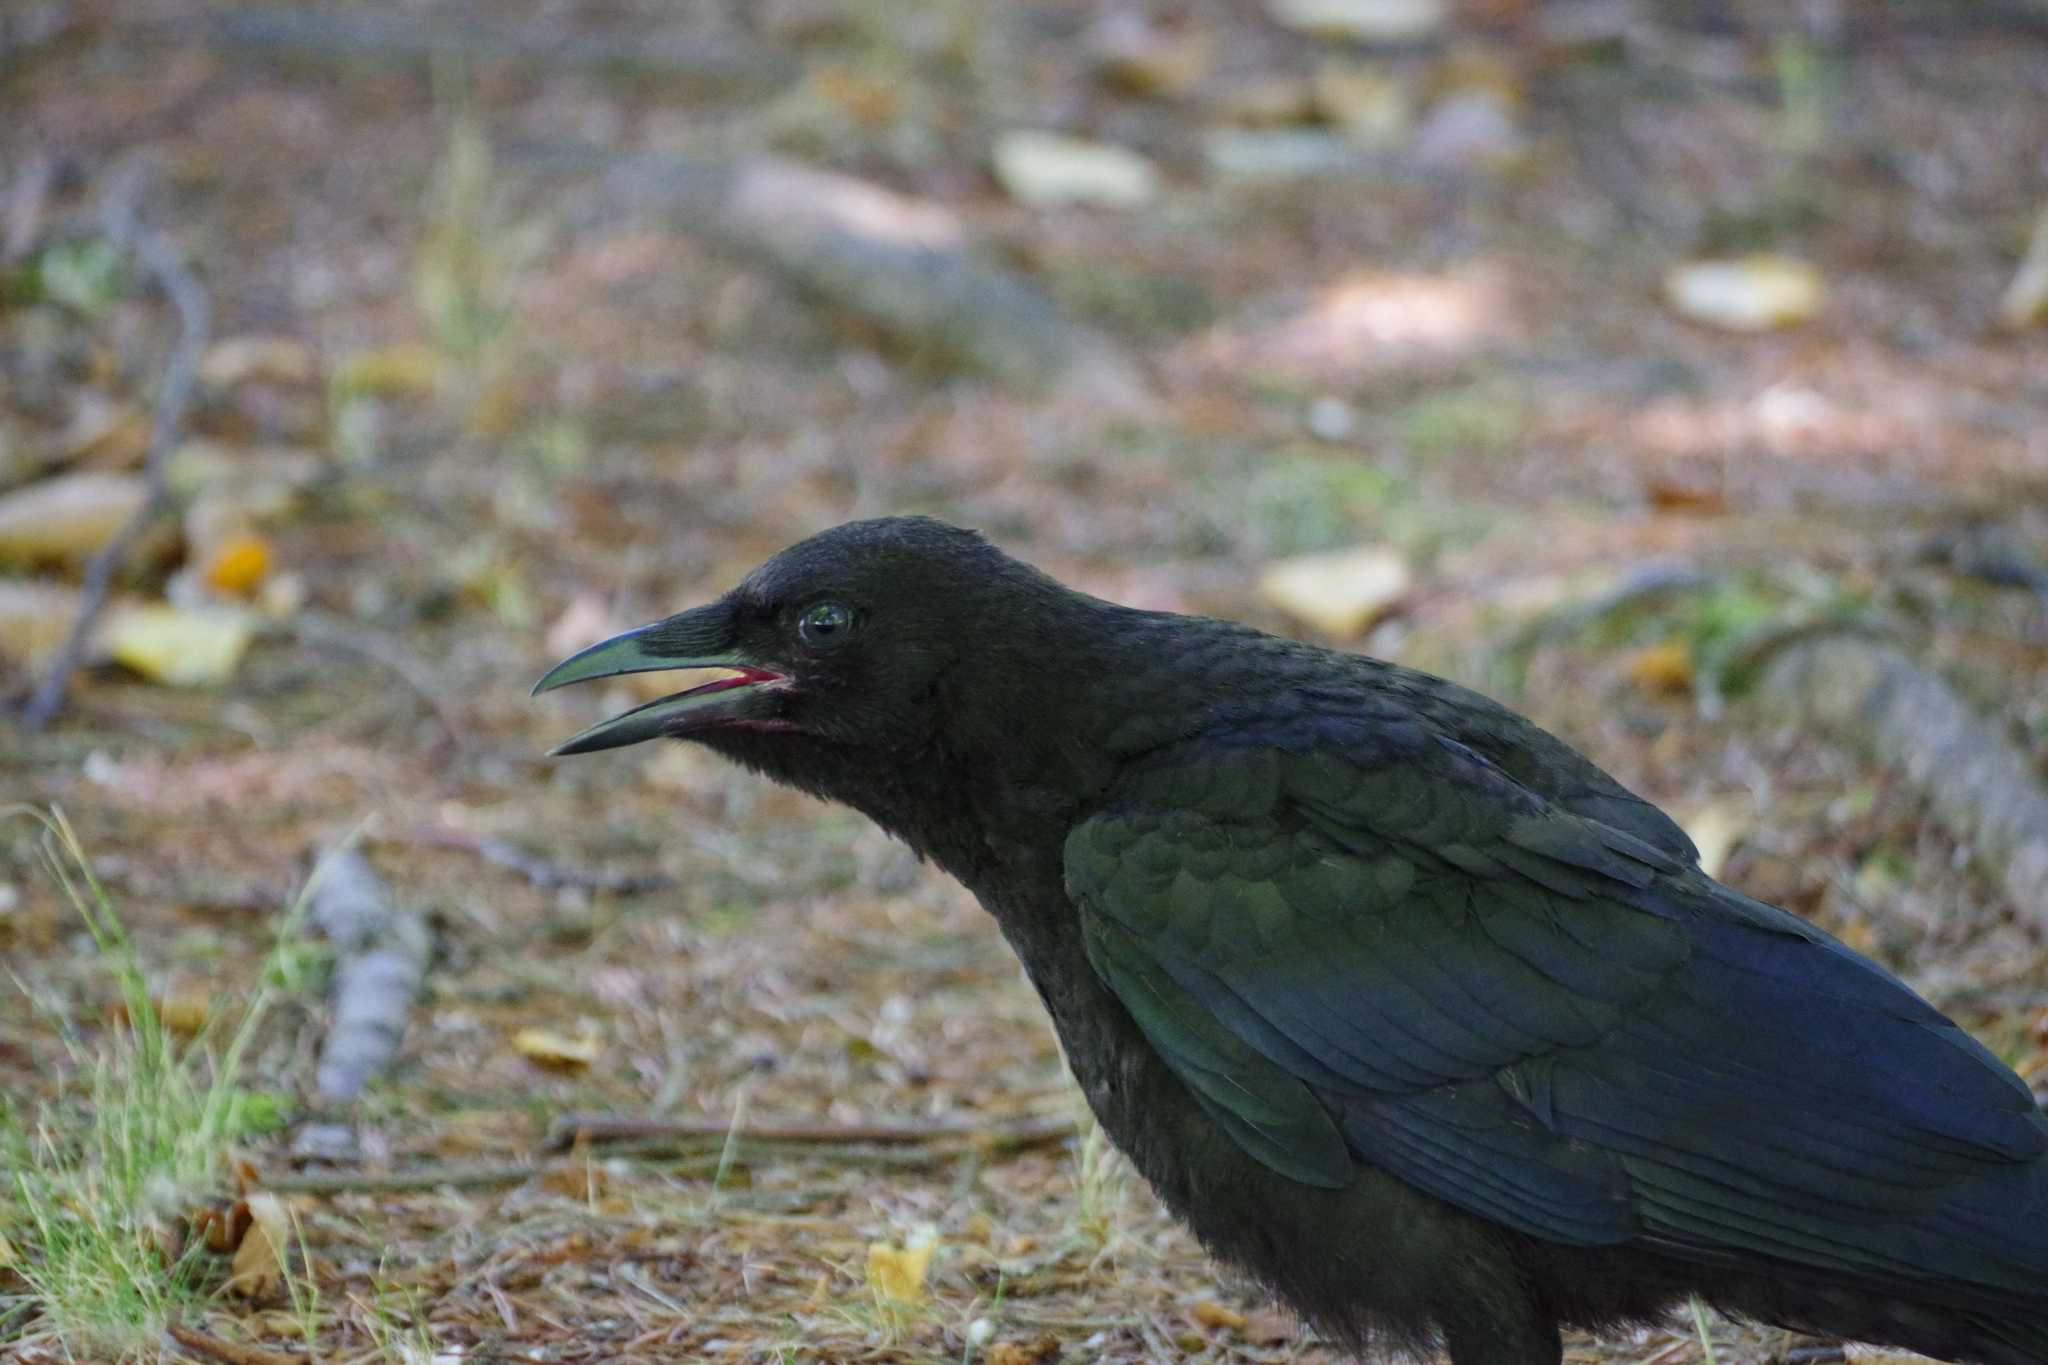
x=825, y=622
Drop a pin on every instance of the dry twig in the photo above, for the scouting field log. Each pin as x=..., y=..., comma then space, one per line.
x=585, y=1129
x=540, y=871
x=161, y=261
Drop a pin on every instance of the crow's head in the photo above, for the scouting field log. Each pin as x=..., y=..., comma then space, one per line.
x=844, y=637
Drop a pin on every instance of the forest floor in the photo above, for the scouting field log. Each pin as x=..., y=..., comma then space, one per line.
x=486, y=408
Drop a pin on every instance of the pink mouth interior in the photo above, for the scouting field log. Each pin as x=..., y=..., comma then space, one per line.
x=741, y=677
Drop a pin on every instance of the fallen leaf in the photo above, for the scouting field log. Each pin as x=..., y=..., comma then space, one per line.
x=106, y=433
x=2025, y=302
x=67, y=519
x=869, y=101
x=406, y=370
x=1210, y=1313
x=1661, y=669
x=1045, y=1346
x=1141, y=56
x=35, y=619
x=1045, y=170
x=1369, y=105
x=555, y=1051
x=1270, y=101
x=1340, y=593
x=179, y=646
x=1753, y=294
x=1716, y=828
x=186, y=1011
x=259, y=1265
x=239, y=564
x=237, y=360
x=1669, y=495
x=897, y=1273
x=1270, y=1327
x=1366, y=21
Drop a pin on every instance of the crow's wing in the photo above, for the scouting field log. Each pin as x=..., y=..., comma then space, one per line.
x=1395, y=953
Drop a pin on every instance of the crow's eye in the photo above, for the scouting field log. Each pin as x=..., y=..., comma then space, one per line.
x=825, y=625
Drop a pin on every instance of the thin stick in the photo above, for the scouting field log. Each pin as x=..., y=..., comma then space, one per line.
x=161, y=261
x=540, y=871
x=894, y=1147
x=401, y=1182
x=593, y=1128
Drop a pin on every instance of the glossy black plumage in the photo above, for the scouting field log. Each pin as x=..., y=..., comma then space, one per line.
x=1396, y=999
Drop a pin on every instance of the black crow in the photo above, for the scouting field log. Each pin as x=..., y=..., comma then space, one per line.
x=1398, y=1001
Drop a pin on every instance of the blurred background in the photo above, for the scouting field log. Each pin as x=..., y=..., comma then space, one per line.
x=1676, y=372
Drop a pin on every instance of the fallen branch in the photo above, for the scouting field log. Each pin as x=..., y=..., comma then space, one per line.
x=1869, y=693
x=540, y=871
x=903, y=266
x=160, y=260
x=383, y=959
x=586, y=1129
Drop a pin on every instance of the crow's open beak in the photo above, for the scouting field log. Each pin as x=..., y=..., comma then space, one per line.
x=699, y=638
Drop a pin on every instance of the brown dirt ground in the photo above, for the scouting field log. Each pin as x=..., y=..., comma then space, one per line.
x=649, y=416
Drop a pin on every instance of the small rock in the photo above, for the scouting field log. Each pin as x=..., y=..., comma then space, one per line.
x=334, y=1142
x=1331, y=419
x=1364, y=21
x=1469, y=128
x=1340, y=593
x=1753, y=294
x=1046, y=170
x=1275, y=153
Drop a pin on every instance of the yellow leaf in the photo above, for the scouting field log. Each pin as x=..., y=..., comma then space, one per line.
x=180, y=646
x=239, y=564
x=185, y=1011
x=897, y=1273
x=555, y=1051
x=1210, y=1313
x=235, y=360
x=1661, y=669
x=1753, y=294
x=66, y=519
x=258, y=1267
x=407, y=370
x=1716, y=828
x=2026, y=299
x=1340, y=593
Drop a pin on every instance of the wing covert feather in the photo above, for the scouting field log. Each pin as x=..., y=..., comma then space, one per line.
x=1548, y=1021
